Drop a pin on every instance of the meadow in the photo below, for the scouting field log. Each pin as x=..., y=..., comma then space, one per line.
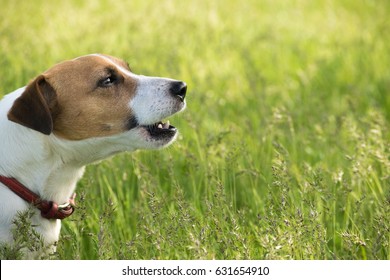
x=284, y=147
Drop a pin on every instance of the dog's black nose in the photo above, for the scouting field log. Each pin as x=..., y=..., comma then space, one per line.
x=179, y=89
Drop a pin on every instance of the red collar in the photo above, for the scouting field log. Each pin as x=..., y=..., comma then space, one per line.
x=49, y=209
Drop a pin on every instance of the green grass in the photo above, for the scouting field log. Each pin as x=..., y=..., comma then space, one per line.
x=284, y=148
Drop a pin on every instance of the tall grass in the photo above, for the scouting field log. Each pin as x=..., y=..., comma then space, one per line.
x=284, y=148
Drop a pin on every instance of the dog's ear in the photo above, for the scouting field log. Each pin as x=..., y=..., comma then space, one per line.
x=36, y=107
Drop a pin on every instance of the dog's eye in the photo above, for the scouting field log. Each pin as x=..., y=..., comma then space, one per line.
x=107, y=82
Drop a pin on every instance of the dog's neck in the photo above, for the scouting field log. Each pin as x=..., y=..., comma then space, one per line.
x=51, y=166
x=38, y=167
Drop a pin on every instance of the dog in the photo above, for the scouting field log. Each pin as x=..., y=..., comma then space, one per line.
x=78, y=112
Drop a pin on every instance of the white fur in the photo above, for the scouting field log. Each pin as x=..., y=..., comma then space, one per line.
x=151, y=104
x=51, y=166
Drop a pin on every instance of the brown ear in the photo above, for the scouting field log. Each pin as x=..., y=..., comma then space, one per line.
x=34, y=108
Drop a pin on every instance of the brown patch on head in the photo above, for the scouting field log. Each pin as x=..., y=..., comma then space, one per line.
x=93, y=97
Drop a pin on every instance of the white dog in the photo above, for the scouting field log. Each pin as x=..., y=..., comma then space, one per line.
x=77, y=112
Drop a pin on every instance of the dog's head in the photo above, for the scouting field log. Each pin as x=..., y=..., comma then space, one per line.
x=97, y=96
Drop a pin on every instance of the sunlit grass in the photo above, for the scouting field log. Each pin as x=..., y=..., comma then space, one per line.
x=284, y=146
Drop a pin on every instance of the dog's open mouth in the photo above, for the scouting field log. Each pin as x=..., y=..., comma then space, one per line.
x=161, y=130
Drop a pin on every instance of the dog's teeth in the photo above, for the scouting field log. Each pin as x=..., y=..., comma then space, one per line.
x=160, y=125
x=166, y=125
